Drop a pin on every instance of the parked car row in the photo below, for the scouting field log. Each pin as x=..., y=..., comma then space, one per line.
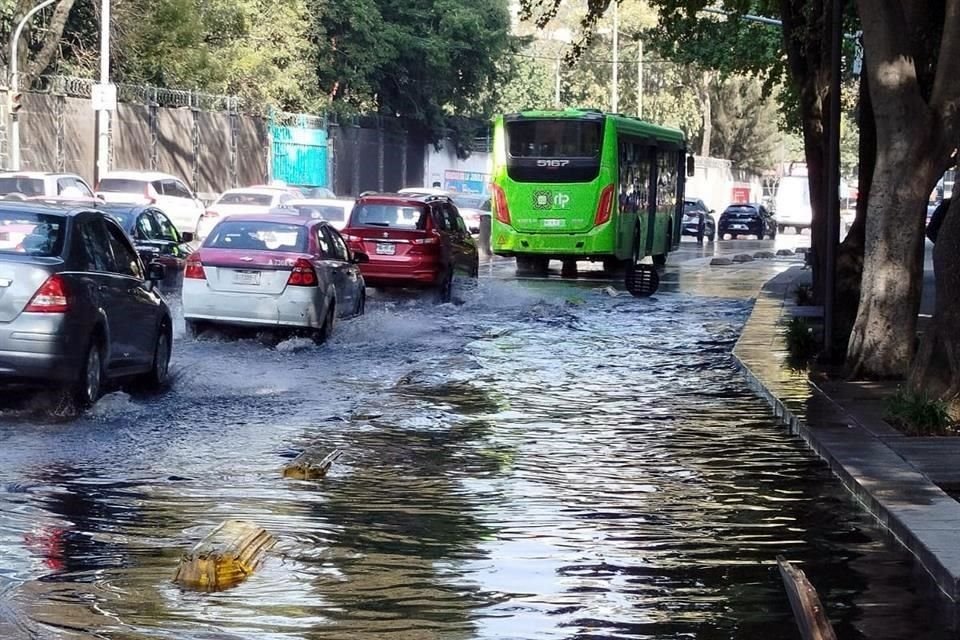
x=747, y=219
x=81, y=282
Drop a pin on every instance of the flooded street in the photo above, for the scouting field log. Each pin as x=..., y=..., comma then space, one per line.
x=542, y=461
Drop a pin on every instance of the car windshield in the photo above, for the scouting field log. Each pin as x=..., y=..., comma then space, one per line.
x=253, y=235
x=473, y=201
x=395, y=216
x=122, y=185
x=328, y=212
x=247, y=198
x=21, y=185
x=35, y=234
x=124, y=218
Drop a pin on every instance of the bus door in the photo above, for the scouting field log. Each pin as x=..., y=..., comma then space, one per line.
x=635, y=167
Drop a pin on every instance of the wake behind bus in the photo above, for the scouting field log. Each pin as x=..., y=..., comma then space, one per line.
x=580, y=184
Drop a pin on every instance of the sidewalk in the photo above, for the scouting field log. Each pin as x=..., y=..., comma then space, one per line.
x=893, y=476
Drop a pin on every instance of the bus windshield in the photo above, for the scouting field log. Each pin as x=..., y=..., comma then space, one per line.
x=554, y=138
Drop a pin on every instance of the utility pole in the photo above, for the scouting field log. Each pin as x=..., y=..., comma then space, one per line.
x=832, y=197
x=15, y=85
x=105, y=98
x=615, y=89
x=639, y=78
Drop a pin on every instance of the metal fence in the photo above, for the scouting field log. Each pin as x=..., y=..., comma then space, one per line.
x=212, y=141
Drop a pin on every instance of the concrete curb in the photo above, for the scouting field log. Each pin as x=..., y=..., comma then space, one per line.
x=916, y=512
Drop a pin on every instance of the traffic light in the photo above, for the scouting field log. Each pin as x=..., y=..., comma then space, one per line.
x=16, y=102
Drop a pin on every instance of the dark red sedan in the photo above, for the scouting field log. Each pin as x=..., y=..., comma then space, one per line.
x=412, y=241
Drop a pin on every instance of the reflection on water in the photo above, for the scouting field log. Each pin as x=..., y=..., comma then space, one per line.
x=541, y=462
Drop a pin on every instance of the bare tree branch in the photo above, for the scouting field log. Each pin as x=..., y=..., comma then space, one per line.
x=51, y=43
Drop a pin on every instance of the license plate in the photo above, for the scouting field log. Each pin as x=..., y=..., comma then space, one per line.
x=554, y=223
x=246, y=277
x=739, y=227
x=386, y=248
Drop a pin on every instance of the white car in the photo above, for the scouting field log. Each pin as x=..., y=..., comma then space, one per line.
x=246, y=201
x=277, y=271
x=336, y=211
x=39, y=184
x=168, y=193
x=472, y=206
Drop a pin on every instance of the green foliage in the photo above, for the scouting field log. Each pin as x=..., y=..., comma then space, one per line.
x=918, y=415
x=801, y=343
x=744, y=124
x=803, y=295
x=423, y=59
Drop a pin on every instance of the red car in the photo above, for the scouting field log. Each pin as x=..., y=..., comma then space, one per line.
x=413, y=241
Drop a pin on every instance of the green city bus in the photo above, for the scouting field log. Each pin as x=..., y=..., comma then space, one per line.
x=586, y=185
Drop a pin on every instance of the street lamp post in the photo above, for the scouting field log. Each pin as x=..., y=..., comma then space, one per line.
x=15, y=85
x=639, y=78
x=615, y=89
x=102, y=143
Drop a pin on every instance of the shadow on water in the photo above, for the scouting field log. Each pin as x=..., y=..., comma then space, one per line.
x=542, y=461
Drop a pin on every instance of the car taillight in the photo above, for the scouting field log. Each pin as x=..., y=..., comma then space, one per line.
x=351, y=238
x=194, y=268
x=51, y=297
x=210, y=213
x=605, y=207
x=500, y=208
x=302, y=275
x=431, y=239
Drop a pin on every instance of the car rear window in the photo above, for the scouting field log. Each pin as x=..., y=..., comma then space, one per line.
x=394, y=216
x=252, y=199
x=749, y=210
x=253, y=235
x=330, y=213
x=35, y=234
x=469, y=202
x=25, y=186
x=122, y=185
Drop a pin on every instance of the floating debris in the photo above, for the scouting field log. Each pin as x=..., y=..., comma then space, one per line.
x=306, y=466
x=613, y=293
x=225, y=558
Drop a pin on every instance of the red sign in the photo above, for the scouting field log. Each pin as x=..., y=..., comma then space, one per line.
x=741, y=195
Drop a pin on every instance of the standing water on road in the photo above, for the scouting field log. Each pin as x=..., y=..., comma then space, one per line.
x=544, y=461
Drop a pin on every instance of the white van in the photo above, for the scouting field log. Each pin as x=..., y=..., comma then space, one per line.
x=793, y=203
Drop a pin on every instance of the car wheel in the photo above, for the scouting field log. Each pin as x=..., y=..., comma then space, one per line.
x=700, y=234
x=445, y=288
x=87, y=388
x=760, y=236
x=781, y=228
x=160, y=370
x=195, y=328
x=712, y=237
x=532, y=266
x=362, y=304
x=323, y=334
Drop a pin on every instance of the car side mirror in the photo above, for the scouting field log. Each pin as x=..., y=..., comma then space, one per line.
x=187, y=237
x=156, y=272
x=691, y=166
x=359, y=257
x=713, y=210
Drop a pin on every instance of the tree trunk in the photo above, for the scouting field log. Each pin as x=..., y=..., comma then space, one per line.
x=883, y=341
x=936, y=370
x=51, y=42
x=850, y=254
x=707, y=112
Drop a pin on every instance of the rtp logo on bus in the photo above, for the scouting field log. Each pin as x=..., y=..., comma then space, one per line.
x=550, y=200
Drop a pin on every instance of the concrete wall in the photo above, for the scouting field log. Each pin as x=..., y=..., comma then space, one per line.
x=714, y=181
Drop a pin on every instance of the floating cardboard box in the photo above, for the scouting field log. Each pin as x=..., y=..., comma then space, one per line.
x=310, y=466
x=225, y=558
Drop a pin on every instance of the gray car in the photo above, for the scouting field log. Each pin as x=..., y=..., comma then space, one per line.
x=76, y=306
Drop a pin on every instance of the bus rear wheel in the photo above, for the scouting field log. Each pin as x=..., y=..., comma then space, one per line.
x=660, y=260
x=532, y=266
